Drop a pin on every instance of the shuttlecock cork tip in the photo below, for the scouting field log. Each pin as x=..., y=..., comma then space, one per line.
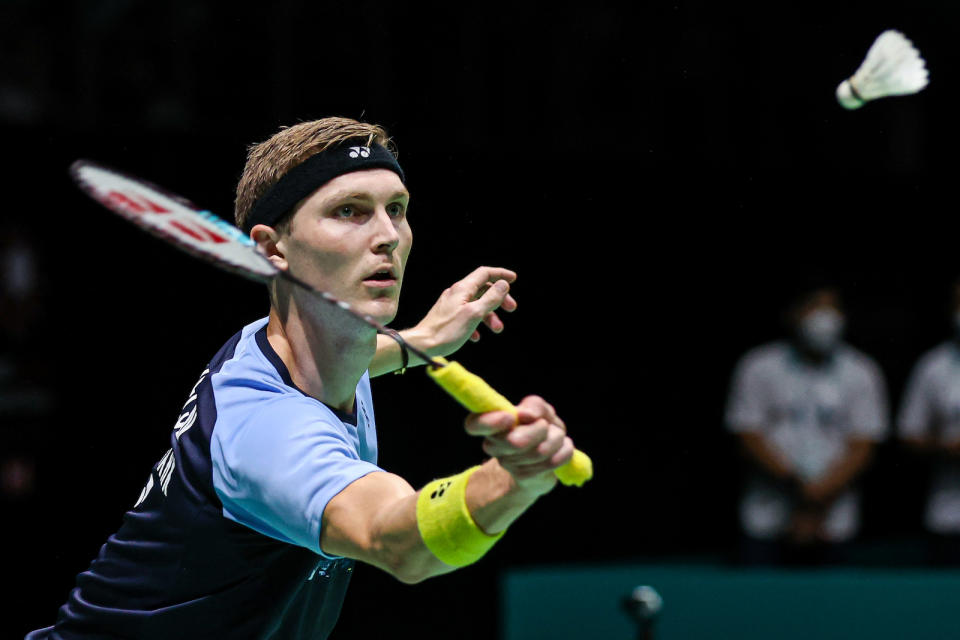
x=848, y=97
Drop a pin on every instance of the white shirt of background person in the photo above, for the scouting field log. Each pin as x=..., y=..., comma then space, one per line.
x=930, y=419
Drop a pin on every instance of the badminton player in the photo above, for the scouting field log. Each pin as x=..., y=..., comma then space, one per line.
x=250, y=524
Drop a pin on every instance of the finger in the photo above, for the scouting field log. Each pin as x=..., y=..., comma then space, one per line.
x=509, y=304
x=524, y=437
x=517, y=440
x=528, y=470
x=534, y=408
x=528, y=436
x=545, y=449
x=527, y=465
x=564, y=454
x=490, y=423
x=475, y=336
x=498, y=448
x=480, y=278
x=493, y=322
x=492, y=298
x=535, y=405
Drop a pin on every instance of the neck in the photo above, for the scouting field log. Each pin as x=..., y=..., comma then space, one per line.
x=810, y=355
x=325, y=358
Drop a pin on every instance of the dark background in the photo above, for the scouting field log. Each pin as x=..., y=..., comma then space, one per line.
x=659, y=174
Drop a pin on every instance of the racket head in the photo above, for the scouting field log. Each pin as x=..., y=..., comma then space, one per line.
x=174, y=219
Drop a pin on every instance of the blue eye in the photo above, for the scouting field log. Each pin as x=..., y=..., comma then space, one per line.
x=395, y=209
x=345, y=211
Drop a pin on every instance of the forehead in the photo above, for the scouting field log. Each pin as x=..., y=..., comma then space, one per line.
x=819, y=299
x=376, y=184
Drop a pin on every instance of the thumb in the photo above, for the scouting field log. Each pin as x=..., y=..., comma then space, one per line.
x=493, y=297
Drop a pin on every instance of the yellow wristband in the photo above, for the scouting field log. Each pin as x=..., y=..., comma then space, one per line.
x=445, y=523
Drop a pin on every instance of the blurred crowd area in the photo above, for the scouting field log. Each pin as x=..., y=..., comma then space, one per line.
x=27, y=396
x=809, y=412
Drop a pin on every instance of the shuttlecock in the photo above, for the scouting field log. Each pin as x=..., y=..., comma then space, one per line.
x=893, y=67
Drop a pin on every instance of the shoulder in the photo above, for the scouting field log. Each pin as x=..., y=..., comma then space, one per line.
x=247, y=369
x=251, y=389
x=854, y=362
x=765, y=357
x=269, y=430
x=937, y=358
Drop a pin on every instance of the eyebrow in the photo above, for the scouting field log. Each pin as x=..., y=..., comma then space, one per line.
x=359, y=195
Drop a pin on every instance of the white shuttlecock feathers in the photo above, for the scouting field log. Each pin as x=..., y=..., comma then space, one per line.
x=893, y=67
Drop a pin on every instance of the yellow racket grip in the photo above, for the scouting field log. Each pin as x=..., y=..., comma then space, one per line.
x=477, y=396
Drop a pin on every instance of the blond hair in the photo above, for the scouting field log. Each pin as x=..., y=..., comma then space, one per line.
x=270, y=160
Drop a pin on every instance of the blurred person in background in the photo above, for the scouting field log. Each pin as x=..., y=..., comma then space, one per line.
x=807, y=411
x=929, y=423
x=26, y=400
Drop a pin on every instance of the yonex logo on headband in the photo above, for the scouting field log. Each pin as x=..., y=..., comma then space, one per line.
x=360, y=151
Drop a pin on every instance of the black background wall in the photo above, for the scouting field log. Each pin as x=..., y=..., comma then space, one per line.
x=659, y=174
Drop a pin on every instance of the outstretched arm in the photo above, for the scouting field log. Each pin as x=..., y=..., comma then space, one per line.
x=453, y=319
x=377, y=520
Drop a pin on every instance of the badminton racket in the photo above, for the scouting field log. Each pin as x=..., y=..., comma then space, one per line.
x=208, y=237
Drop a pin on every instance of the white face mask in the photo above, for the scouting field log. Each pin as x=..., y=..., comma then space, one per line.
x=820, y=331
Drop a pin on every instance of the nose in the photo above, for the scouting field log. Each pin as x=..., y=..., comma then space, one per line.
x=386, y=237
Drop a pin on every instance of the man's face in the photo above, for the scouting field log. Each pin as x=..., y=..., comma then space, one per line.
x=351, y=238
x=819, y=322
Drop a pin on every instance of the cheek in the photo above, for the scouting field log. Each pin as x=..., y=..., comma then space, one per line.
x=406, y=241
x=306, y=254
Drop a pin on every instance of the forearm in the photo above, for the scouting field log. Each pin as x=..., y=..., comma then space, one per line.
x=922, y=446
x=397, y=547
x=949, y=451
x=386, y=533
x=494, y=501
x=841, y=474
x=757, y=450
x=389, y=356
x=932, y=447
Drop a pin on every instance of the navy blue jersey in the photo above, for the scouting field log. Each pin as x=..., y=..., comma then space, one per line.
x=224, y=540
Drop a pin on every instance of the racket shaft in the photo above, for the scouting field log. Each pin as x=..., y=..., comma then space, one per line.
x=473, y=392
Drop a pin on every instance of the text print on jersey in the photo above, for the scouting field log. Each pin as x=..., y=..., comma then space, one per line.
x=164, y=468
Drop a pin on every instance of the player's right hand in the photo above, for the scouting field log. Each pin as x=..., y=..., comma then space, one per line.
x=529, y=446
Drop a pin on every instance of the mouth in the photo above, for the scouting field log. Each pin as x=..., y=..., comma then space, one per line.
x=385, y=276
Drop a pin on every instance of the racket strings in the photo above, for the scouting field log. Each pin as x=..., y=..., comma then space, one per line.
x=365, y=318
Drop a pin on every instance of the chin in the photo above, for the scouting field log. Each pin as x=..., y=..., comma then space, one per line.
x=383, y=311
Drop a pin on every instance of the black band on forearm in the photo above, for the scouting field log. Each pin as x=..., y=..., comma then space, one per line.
x=403, y=349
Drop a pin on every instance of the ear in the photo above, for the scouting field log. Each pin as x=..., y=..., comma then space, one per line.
x=269, y=244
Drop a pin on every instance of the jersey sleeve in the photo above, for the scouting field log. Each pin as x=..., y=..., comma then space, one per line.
x=916, y=416
x=276, y=468
x=747, y=406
